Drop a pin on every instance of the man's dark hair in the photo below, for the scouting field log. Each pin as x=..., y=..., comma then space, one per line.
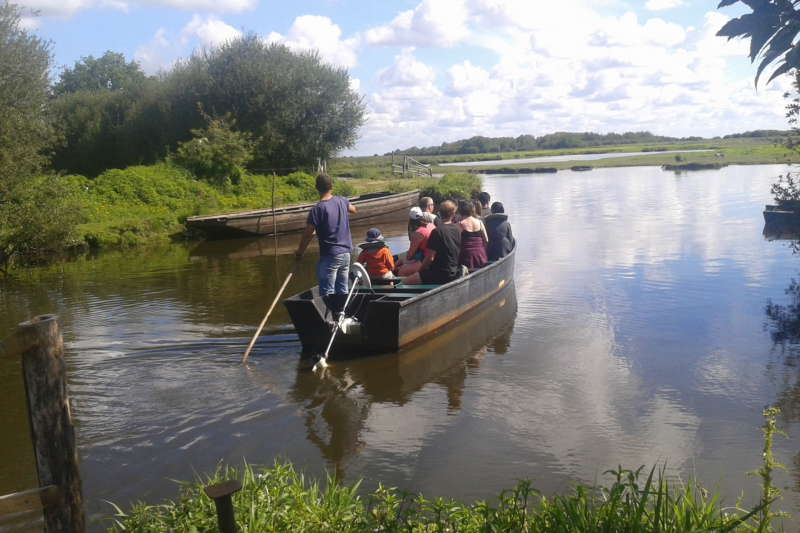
x=484, y=198
x=497, y=207
x=324, y=183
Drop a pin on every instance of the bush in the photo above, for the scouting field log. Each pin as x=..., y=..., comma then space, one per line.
x=217, y=154
x=456, y=186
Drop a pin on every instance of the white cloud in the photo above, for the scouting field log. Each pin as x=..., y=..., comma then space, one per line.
x=209, y=31
x=663, y=5
x=68, y=8
x=311, y=32
x=605, y=74
x=166, y=46
x=433, y=23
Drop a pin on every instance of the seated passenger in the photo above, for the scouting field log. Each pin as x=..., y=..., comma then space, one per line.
x=501, y=240
x=375, y=255
x=473, y=237
x=441, y=264
x=426, y=206
x=418, y=248
x=484, y=198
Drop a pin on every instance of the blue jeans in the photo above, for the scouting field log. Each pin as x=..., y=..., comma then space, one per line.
x=332, y=274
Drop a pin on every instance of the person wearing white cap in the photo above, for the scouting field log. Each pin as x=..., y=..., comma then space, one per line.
x=418, y=248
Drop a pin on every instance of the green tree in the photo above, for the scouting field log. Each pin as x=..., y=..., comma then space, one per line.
x=217, y=154
x=110, y=73
x=772, y=28
x=37, y=210
x=296, y=107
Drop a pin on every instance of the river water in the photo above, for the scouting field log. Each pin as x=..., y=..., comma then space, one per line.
x=562, y=158
x=635, y=333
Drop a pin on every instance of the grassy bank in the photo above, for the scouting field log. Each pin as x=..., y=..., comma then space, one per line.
x=750, y=151
x=281, y=499
x=151, y=203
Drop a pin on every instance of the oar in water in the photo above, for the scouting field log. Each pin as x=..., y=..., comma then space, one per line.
x=271, y=307
x=362, y=277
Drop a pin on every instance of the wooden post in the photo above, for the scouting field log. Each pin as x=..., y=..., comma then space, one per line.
x=221, y=494
x=274, y=227
x=52, y=432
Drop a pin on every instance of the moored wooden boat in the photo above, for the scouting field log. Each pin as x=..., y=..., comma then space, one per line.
x=779, y=216
x=370, y=208
x=393, y=317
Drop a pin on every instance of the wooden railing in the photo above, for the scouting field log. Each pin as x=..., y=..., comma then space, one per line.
x=412, y=167
x=60, y=495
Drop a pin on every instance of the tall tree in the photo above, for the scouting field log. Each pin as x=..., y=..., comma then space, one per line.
x=37, y=210
x=111, y=72
x=772, y=28
x=296, y=107
x=25, y=129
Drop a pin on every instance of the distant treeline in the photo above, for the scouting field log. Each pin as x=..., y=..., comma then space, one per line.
x=560, y=140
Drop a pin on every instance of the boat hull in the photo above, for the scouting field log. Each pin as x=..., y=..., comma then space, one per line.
x=393, y=318
x=779, y=216
x=370, y=208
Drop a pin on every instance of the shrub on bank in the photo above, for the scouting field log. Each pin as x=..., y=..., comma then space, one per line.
x=455, y=186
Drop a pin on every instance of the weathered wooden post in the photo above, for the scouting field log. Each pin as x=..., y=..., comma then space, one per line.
x=52, y=432
x=222, y=494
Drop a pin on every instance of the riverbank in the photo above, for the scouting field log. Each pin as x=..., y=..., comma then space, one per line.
x=748, y=151
x=149, y=204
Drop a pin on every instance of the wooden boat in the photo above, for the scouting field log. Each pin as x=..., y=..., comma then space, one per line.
x=370, y=208
x=782, y=215
x=391, y=318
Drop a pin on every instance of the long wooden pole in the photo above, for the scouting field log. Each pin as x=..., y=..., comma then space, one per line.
x=52, y=432
x=274, y=227
x=271, y=307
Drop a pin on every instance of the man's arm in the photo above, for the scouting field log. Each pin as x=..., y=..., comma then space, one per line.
x=308, y=233
x=351, y=208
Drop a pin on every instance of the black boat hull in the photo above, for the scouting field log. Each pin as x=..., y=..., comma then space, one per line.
x=393, y=318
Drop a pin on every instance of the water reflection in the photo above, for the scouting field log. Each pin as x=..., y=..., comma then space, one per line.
x=337, y=408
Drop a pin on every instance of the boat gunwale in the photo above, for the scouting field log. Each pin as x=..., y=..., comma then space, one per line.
x=295, y=208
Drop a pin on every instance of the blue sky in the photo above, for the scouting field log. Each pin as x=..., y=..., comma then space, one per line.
x=440, y=70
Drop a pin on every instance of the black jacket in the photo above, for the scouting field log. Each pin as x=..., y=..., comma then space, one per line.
x=501, y=240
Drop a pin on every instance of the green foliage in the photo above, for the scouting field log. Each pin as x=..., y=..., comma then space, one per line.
x=40, y=215
x=550, y=141
x=770, y=492
x=455, y=186
x=772, y=28
x=786, y=190
x=109, y=73
x=37, y=212
x=217, y=154
x=296, y=106
x=280, y=499
x=25, y=128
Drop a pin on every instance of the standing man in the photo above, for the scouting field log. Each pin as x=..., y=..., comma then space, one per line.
x=329, y=219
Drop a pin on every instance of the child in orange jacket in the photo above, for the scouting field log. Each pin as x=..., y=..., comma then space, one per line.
x=376, y=256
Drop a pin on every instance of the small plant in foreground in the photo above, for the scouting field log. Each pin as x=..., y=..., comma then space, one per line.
x=770, y=492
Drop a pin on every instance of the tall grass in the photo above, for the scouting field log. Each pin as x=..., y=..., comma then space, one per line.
x=281, y=499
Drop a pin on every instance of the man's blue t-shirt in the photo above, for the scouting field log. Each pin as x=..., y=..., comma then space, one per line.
x=329, y=217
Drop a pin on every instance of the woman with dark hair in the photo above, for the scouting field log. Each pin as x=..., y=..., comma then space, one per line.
x=501, y=240
x=473, y=237
x=418, y=247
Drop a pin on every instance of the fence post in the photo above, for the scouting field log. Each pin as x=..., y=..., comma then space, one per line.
x=222, y=494
x=52, y=432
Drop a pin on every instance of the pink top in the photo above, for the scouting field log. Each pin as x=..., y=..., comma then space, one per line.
x=426, y=233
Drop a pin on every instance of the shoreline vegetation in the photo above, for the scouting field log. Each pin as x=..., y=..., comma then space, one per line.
x=281, y=499
x=149, y=204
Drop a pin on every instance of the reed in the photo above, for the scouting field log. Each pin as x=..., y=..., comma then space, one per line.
x=281, y=499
